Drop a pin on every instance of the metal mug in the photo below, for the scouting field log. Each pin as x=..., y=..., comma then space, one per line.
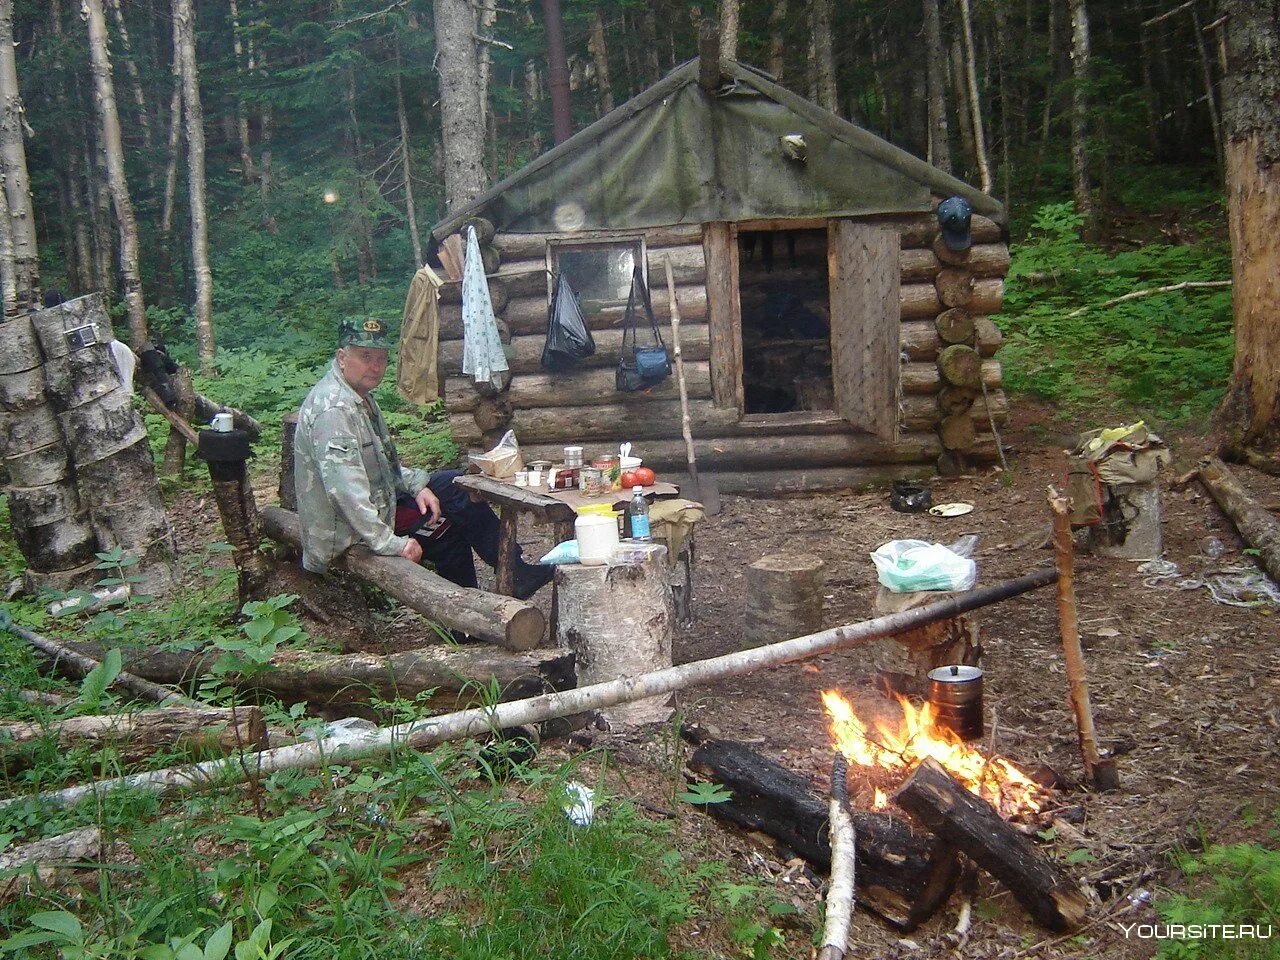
x=222, y=422
x=955, y=693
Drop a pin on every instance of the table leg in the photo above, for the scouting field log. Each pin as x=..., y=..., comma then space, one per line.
x=507, y=550
x=563, y=531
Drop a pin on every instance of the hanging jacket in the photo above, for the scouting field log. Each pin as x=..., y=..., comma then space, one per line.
x=417, y=379
x=482, y=355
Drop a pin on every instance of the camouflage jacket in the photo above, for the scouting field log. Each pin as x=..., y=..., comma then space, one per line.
x=347, y=474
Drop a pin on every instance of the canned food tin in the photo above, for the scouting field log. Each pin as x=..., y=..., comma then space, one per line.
x=591, y=482
x=955, y=693
x=573, y=456
x=611, y=469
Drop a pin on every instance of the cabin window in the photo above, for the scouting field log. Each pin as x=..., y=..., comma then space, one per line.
x=600, y=273
x=786, y=320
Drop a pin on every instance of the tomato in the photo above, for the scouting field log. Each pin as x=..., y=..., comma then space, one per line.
x=644, y=477
x=629, y=480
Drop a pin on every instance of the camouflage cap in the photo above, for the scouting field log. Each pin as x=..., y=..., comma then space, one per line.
x=364, y=332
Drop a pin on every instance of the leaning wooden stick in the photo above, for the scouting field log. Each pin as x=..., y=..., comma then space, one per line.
x=685, y=426
x=184, y=429
x=81, y=665
x=421, y=734
x=844, y=847
x=1101, y=772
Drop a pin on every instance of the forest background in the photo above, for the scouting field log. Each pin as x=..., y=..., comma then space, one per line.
x=1099, y=127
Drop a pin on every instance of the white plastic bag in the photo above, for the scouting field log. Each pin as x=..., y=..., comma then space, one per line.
x=503, y=461
x=566, y=552
x=907, y=566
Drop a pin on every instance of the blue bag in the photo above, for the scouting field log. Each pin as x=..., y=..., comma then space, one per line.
x=640, y=368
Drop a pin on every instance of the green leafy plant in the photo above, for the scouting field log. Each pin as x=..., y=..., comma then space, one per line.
x=704, y=794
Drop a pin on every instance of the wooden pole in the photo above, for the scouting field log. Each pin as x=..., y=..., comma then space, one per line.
x=1102, y=774
x=685, y=426
x=844, y=846
x=479, y=721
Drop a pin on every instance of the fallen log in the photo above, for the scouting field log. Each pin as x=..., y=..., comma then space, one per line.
x=137, y=735
x=970, y=824
x=82, y=844
x=485, y=616
x=420, y=734
x=1256, y=525
x=903, y=875
x=448, y=674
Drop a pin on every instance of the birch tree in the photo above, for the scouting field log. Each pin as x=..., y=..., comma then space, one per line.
x=185, y=21
x=17, y=184
x=104, y=97
x=1081, y=185
x=975, y=102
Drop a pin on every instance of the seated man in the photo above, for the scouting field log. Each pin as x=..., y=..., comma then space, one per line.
x=349, y=479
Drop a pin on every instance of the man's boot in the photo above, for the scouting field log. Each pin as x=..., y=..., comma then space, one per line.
x=529, y=578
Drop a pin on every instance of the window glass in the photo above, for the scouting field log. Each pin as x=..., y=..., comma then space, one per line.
x=600, y=273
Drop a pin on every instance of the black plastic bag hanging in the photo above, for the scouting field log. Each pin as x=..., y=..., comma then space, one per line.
x=640, y=367
x=568, y=338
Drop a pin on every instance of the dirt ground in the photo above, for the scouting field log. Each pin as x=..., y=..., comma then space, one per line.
x=1184, y=691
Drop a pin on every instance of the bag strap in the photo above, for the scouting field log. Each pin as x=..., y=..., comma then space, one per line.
x=628, y=321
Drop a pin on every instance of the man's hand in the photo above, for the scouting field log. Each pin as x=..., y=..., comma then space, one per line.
x=428, y=503
x=412, y=550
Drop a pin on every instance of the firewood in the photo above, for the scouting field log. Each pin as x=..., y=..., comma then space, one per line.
x=903, y=874
x=140, y=734
x=420, y=734
x=970, y=824
x=844, y=875
x=512, y=623
x=1258, y=528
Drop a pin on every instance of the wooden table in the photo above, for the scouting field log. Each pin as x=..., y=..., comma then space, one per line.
x=557, y=507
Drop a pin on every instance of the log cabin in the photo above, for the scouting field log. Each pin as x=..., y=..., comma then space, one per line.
x=830, y=339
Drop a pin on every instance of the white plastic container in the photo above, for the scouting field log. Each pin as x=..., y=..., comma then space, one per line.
x=597, y=535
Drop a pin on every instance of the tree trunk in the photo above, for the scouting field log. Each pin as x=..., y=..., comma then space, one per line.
x=1259, y=529
x=975, y=101
x=557, y=73
x=216, y=730
x=267, y=127
x=113, y=146
x=135, y=82
x=599, y=51
x=461, y=120
x=728, y=29
x=649, y=44
x=824, y=64
x=13, y=161
x=775, y=61
x=173, y=156
x=1250, y=411
x=1206, y=71
x=185, y=17
x=8, y=270
x=936, y=88
x=1081, y=187
x=100, y=196
x=242, y=118
x=406, y=167
x=1149, y=98
x=964, y=116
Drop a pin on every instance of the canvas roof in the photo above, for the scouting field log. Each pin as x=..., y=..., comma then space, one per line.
x=677, y=154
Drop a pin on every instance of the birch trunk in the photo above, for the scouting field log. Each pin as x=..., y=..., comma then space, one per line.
x=17, y=184
x=461, y=115
x=175, y=151
x=131, y=68
x=1081, y=187
x=104, y=96
x=975, y=101
x=729, y=29
x=600, y=57
x=242, y=118
x=8, y=274
x=407, y=167
x=823, y=58
x=936, y=88
x=775, y=62
x=1251, y=409
x=100, y=198
x=184, y=15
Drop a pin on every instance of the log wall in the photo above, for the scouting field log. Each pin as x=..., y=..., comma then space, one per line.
x=940, y=402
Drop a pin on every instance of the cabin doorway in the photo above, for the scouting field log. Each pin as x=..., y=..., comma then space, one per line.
x=784, y=292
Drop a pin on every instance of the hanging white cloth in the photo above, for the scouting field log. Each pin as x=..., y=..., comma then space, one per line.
x=482, y=355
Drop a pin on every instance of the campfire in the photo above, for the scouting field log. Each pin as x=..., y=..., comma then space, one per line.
x=897, y=746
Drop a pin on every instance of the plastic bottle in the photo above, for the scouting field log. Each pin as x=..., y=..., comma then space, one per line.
x=638, y=511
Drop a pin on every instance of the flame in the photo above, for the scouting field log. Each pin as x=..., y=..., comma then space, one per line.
x=899, y=747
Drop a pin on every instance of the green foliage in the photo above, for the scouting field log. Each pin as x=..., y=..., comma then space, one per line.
x=1166, y=356
x=704, y=794
x=1233, y=884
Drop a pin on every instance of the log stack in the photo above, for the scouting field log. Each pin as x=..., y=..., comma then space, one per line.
x=968, y=386
x=106, y=440
x=50, y=524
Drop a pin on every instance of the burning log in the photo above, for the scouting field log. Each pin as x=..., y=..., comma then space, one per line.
x=972, y=825
x=903, y=875
x=136, y=735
